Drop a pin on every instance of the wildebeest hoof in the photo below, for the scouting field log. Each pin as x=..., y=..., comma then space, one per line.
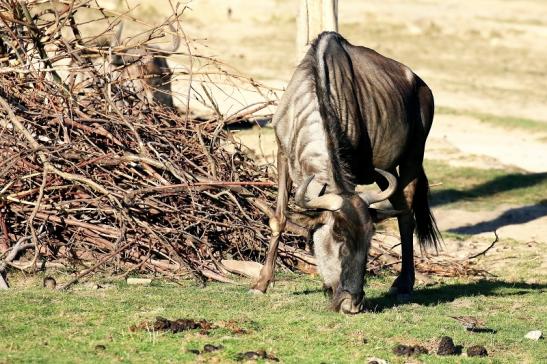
x=403, y=297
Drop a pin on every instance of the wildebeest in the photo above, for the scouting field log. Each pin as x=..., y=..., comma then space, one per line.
x=147, y=69
x=351, y=117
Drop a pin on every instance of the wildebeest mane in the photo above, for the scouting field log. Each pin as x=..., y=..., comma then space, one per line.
x=339, y=108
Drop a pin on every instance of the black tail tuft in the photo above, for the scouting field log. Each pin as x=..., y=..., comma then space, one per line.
x=426, y=227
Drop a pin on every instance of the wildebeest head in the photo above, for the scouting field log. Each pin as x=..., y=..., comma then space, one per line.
x=342, y=228
x=146, y=68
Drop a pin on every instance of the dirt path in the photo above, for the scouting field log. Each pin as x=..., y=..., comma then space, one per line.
x=523, y=223
x=466, y=141
x=471, y=137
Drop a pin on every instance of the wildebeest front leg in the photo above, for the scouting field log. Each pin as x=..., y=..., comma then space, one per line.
x=277, y=224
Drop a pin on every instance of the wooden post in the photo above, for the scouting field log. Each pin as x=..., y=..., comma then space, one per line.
x=314, y=17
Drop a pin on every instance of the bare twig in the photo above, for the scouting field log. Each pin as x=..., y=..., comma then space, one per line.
x=94, y=267
x=487, y=249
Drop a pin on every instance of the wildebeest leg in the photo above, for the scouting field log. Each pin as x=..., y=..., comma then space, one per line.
x=404, y=283
x=277, y=224
x=402, y=201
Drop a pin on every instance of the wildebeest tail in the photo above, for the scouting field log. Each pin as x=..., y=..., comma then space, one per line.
x=426, y=227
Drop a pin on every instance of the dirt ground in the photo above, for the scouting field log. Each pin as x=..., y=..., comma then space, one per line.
x=484, y=61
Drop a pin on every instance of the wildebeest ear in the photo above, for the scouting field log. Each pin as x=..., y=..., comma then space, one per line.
x=379, y=215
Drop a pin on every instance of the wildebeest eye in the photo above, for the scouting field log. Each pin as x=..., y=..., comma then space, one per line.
x=344, y=250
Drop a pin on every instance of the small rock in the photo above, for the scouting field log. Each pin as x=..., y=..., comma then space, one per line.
x=418, y=350
x=100, y=347
x=477, y=350
x=49, y=282
x=163, y=324
x=209, y=348
x=256, y=355
x=469, y=322
x=194, y=351
x=139, y=281
x=534, y=335
x=447, y=347
x=402, y=350
x=251, y=355
x=91, y=286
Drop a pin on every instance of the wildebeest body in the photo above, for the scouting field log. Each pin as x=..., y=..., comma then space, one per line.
x=350, y=117
x=376, y=108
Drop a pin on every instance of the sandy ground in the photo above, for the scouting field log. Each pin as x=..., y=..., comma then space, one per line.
x=483, y=57
x=499, y=146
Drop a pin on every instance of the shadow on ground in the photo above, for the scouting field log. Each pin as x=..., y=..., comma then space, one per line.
x=518, y=215
x=500, y=184
x=429, y=296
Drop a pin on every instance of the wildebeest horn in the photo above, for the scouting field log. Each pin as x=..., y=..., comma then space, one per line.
x=175, y=42
x=176, y=38
x=371, y=197
x=330, y=201
x=117, y=36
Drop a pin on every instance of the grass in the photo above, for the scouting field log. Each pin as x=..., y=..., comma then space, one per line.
x=291, y=321
x=506, y=122
x=476, y=188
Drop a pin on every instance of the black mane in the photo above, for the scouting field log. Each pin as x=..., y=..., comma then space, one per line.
x=349, y=164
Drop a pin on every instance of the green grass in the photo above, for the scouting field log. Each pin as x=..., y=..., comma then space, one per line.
x=475, y=188
x=292, y=322
x=506, y=122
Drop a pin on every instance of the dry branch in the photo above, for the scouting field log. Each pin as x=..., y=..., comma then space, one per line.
x=487, y=249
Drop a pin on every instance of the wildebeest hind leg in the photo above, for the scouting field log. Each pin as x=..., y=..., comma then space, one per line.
x=402, y=201
x=277, y=224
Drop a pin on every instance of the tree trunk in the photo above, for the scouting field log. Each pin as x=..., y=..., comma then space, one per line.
x=314, y=17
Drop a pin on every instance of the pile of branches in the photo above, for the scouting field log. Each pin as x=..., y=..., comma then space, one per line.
x=93, y=179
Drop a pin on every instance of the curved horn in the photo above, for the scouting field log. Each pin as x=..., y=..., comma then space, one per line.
x=176, y=38
x=117, y=36
x=371, y=197
x=330, y=201
x=175, y=42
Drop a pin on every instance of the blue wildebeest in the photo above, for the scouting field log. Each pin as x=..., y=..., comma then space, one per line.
x=351, y=117
x=146, y=68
